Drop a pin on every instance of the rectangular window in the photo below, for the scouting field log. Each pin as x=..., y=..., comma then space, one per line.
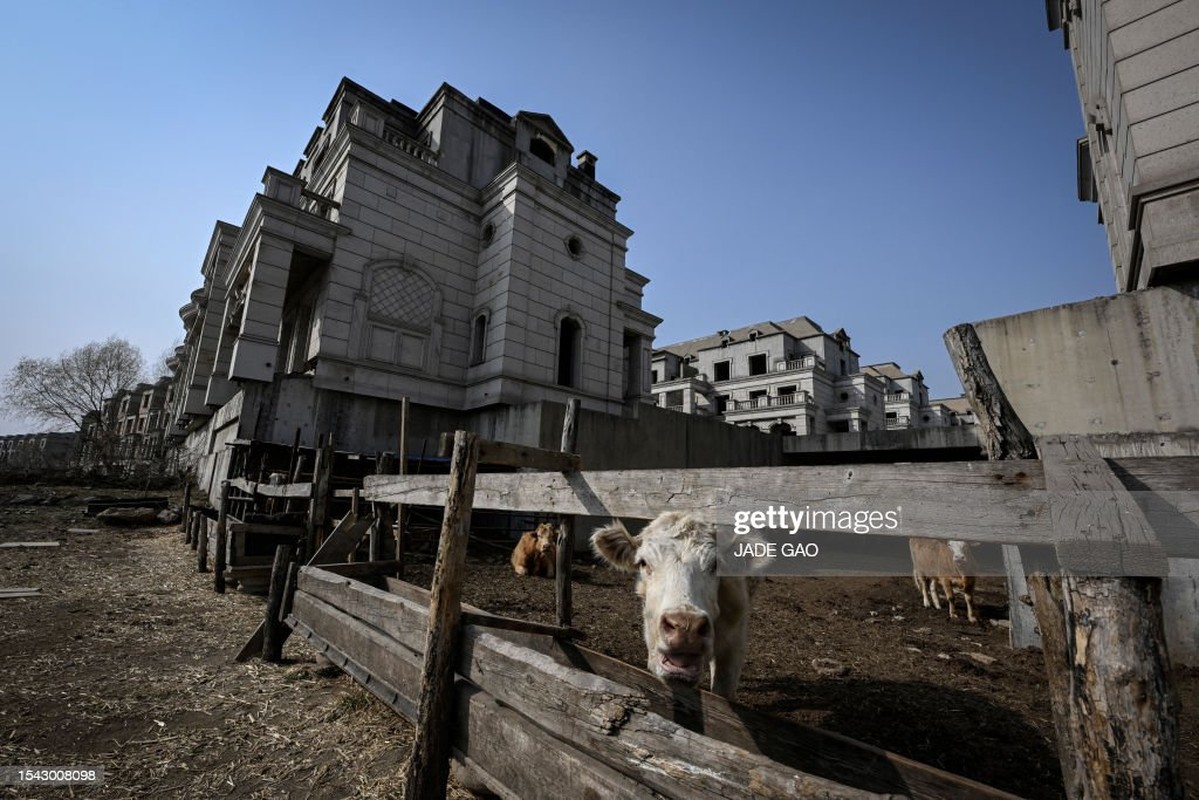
x=722, y=403
x=720, y=371
x=757, y=364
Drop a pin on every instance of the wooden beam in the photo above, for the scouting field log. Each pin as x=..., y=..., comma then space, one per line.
x=287, y=490
x=401, y=515
x=1098, y=527
x=265, y=529
x=222, y=541
x=272, y=638
x=335, y=550
x=401, y=619
x=517, y=455
x=563, y=598
x=517, y=757
x=1004, y=507
x=1115, y=707
x=427, y=770
x=201, y=543
x=185, y=517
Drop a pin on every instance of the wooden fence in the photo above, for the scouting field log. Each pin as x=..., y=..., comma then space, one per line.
x=1067, y=513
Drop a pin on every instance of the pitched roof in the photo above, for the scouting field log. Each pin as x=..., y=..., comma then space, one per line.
x=888, y=369
x=799, y=327
x=959, y=404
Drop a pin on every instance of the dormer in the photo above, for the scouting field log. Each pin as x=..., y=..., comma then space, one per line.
x=542, y=146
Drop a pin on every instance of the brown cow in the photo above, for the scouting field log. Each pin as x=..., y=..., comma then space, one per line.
x=948, y=563
x=537, y=552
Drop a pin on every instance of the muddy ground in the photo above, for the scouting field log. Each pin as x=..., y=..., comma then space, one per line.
x=124, y=660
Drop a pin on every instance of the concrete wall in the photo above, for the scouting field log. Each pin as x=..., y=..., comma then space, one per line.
x=1137, y=67
x=1122, y=364
x=1113, y=365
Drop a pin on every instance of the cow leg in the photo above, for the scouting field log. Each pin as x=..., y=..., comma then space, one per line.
x=922, y=585
x=968, y=593
x=947, y=585
x=932, y=590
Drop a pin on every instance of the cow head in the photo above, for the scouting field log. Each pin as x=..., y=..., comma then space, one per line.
x=547, y=539
x=675, y=560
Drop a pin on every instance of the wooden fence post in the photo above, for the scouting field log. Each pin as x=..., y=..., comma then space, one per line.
x=566, y=524
x=272, y=641
x=318, y=511
x=427, y=770
x=222, y=540
x=185, y=517
x=401, y=517
x=201, y=543
x=1114, y=706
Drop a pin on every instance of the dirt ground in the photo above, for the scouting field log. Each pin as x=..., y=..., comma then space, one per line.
x=124, y=661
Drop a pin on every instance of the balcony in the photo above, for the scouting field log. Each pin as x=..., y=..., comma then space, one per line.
x=806, y=362
x=768, y=401
x=899, y=422
x=899, y=397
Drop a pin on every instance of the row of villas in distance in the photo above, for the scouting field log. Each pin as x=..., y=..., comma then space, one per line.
x=134, y=426
x=793, y=377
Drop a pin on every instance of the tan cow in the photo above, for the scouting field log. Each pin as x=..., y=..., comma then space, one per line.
x=693, y=618
x=948, y=563
x=537, y=552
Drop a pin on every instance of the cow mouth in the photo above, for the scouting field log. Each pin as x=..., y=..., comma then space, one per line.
x=681, y=667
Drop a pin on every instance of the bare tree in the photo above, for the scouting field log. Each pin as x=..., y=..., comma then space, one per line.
x=60, y=392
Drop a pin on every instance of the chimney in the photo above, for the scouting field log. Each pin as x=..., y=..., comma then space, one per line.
x=586, y=163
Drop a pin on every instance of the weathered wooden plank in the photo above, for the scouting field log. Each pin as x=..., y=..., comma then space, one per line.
x=615, y=723
x=1004, y=506
x=1098, y=527
x=401, y=614
x=285, y=490
x=265, y=529
x=222, y=542
x=564, y=559
x=335, y=549
x=272, y=628
x=16, y=592
x=518, y=758
x=361, y=569
x=428, y=767
x=30, y=544
x=94, y=508
x=508, y=454
x=1115, y=707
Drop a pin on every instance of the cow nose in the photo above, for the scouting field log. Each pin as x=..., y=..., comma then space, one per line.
x=684, y=630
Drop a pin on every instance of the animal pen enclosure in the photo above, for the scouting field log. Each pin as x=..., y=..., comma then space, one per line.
x=524, y=690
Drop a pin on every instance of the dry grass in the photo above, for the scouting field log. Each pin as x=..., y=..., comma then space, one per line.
x=126, y=661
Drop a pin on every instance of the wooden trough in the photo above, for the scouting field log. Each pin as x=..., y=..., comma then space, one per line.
x=537, y=716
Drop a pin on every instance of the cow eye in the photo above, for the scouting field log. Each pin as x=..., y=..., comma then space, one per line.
x=642, y=565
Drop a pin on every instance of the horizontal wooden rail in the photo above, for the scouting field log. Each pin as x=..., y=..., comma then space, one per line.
x=622, y=718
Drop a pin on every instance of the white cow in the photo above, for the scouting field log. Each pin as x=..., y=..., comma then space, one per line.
x=692, y=616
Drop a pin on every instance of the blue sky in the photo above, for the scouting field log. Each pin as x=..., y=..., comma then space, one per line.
x=893, y=168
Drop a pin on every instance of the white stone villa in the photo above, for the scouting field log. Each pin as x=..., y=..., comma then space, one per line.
x=793, y=377
x=453, y=255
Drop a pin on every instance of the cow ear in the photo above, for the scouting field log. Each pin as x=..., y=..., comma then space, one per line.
x=613, y=544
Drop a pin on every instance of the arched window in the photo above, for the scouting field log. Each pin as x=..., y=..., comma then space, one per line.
x=570, y=336
x=478, y=339
x=401, y=305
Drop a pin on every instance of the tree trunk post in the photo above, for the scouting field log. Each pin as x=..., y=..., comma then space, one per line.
x=427, y=770
x=272, y=642
x=222, y=541
x=566, y=524
x=1114, y=706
